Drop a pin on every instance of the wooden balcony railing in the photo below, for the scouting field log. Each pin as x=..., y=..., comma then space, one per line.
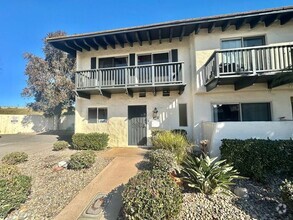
x=248, y=61
x=131, y=76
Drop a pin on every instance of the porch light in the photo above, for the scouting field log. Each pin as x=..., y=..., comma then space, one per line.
x=155, y=113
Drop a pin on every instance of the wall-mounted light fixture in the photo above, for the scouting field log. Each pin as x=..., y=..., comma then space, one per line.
x=155, y=113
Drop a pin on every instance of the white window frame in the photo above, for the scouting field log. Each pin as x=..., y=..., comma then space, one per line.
x=152, y=58
x=242, y=39
x=98, y=120
x=110, y=56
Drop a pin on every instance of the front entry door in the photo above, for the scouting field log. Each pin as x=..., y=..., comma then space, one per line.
x=137, y=127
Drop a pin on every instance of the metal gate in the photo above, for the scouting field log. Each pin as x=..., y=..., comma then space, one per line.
x=137, y=125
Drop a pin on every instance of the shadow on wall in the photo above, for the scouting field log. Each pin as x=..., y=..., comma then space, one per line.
x=67, y=122
x=38, y=123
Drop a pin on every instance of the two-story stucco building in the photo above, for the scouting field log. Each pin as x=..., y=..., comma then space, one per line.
x=211, y=76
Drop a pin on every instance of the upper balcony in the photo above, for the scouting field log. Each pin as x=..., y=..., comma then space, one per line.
x=129, y=79
x=245, y=66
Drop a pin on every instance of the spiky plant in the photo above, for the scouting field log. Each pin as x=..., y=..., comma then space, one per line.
x=208, y=176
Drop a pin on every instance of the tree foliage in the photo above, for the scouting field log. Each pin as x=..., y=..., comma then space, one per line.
x=50, y=79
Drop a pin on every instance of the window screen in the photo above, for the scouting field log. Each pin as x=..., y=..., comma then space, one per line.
x=144, y=59
x=253, y=41
x=102, y=114
x=161, y=58
x=182, y=115
x=92, y=115
x=226, y=112
x=112, y=62
x=256, y=112
x=248, y=112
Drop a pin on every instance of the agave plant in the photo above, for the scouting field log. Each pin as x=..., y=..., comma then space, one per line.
x=207, y=175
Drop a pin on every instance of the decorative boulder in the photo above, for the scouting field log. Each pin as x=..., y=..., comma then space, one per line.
x=241, y=192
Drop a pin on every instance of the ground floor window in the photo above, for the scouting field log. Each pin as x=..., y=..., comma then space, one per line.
x=97, y=115
x=242, y=112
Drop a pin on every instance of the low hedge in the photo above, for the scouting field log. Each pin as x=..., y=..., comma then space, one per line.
x=90, y=141
x=14, y=189
x=81, y=160
x=151, y=195
x=163, y=160
x=256, y=158
x=60, y=145
x=15, y=158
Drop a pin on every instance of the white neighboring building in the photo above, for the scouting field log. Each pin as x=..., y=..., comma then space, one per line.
x=210, y=76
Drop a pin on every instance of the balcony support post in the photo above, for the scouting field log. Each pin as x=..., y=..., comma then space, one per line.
x=129, y=93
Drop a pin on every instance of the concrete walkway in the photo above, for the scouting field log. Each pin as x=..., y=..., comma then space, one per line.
x=118, y=171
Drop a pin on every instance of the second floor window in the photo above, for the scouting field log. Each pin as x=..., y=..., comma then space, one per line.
x=113, y=62
x=243, y=42
x=153, y=58
x=238, y=60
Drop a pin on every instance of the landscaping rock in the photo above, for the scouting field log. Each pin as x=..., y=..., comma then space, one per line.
x=52, y=191
x=62, y=164
x=241, y=192
x=263, y=203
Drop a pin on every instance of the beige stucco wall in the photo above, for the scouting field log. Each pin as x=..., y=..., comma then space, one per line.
x=194, y=51
x=117, y=125
x=117, y=105
x=14, y=124
x=206, y=43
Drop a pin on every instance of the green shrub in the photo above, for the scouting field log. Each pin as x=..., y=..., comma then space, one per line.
x=287, y=193
x=174, y=142
x=7, y=171
x=206, y=175
x=154, y=133
x=91, y=141
x=81, y=160
x=151, y=195
x=163, y=160
x=257, y=158
x=60, y=145
x=15, y=158
x=14, y=189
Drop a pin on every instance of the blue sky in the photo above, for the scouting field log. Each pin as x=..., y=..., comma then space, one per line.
x=24, y=24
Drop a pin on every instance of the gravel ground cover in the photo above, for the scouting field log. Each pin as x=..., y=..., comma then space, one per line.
x=52, y=190
x=262, y=203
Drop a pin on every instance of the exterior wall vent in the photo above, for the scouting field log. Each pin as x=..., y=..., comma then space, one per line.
x=142, y=94
x=166, y=93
